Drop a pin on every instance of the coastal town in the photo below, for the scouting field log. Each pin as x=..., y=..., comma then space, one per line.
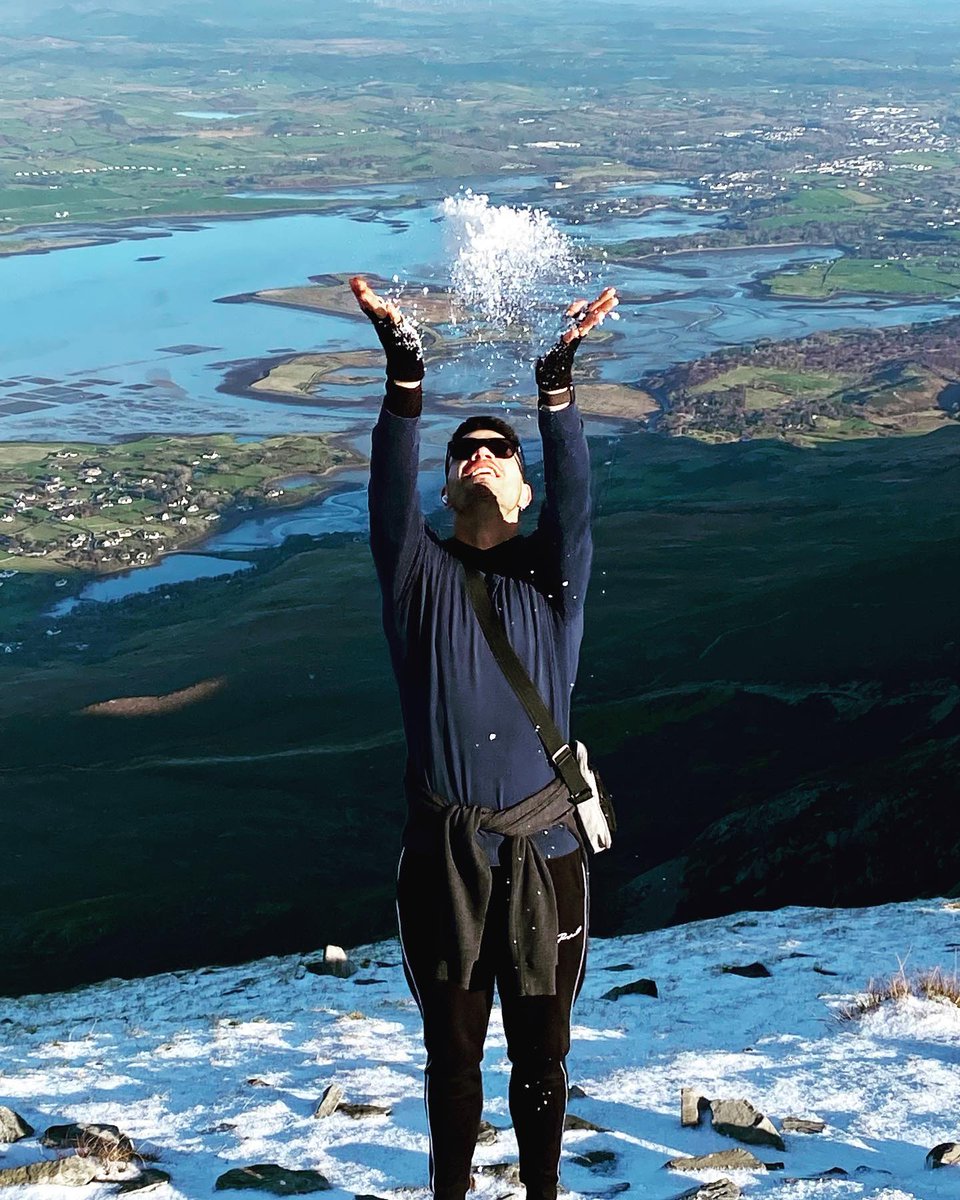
x=114, y=507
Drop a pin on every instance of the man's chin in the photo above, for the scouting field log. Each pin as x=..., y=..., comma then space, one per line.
x=473, y=496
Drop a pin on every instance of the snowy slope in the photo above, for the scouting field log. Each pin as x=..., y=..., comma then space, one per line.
x=220, y=1068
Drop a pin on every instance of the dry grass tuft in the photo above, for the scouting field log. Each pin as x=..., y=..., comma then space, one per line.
x=113, y=1152
x=934, y=984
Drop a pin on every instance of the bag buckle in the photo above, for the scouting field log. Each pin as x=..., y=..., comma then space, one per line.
x=568, y=768
x=562, y=756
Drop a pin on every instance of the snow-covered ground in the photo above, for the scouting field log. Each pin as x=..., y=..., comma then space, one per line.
x=220, y=1068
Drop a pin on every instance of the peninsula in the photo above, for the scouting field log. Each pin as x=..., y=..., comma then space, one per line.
x=826, y=387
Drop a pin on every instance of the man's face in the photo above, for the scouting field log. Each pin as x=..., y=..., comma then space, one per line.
x=483, y=478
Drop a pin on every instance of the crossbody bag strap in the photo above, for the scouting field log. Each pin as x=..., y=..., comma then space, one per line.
x=558, y=749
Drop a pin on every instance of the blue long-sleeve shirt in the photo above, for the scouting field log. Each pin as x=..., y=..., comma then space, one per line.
x=468, y=737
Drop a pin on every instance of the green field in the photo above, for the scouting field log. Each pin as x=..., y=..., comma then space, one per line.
x=856, y=276
x=774, y=382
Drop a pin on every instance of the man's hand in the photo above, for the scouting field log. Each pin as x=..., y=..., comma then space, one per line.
x=555, y=368
x=398, y=335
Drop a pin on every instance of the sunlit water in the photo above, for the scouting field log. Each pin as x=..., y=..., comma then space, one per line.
x=173, y=569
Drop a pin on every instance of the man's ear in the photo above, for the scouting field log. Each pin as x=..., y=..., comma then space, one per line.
x=526, y=496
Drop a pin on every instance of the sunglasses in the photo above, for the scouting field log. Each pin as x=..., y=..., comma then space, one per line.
x=462, y=448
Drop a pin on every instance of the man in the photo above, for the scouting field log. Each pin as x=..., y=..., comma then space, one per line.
x=492, y=883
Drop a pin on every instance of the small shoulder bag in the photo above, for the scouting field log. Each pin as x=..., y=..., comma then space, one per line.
x=592, y=804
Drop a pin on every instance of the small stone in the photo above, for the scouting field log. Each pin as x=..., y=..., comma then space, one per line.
x=718, y=1189
x=256, y=1081
x=639, y=987
x=802, y=1125
x=12, y=1126
x=947, y=1154
x=754, y=970
x=71, y=1171
x=607, y=1193
x=739, y=1119
x=620, y=967
x=823, y=970
x=596, y=1160
x=270, y=1177
x=693, y=1105
x=571, y=1122
x=148, y=1179
x=829, y=1173
x=356, y=1111
x=577, y=1093
x=719, y=1160
x=334, y=962
x=329, y=1101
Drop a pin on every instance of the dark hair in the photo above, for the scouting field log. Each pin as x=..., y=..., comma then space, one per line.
x=498, y=425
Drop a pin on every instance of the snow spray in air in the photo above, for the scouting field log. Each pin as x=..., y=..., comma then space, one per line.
x=506, y=262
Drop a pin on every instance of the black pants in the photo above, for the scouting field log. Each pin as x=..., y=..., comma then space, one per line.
x=537, y=1028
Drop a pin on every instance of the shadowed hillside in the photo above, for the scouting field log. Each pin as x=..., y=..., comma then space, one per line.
x=770, y=684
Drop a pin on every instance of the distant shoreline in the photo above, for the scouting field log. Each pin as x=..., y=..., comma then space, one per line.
x=658, y=254
x=114, y=231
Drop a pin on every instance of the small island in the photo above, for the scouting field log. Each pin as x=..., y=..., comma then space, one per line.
x=75, y=506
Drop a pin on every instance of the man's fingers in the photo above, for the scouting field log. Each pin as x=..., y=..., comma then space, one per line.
x=371, y=303
x=577, y=308
x=367, y=298
x=604, y=303
x=588, y=314
x=361, y=289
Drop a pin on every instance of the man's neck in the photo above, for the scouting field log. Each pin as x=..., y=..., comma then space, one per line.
x=483, y=531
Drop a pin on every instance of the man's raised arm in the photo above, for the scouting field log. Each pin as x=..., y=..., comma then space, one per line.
x=565, y=518
x=396, y=522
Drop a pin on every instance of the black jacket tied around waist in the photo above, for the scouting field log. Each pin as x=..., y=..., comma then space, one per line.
x=467, y=879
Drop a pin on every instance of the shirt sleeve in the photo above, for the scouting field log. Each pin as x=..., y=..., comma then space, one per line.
x=396, y=521
x=564, y=524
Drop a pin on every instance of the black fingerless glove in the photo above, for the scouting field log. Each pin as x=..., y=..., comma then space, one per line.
x=402, y=346
x=555, y=368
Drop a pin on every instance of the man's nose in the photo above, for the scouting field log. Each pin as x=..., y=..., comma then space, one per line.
x=481, y=451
